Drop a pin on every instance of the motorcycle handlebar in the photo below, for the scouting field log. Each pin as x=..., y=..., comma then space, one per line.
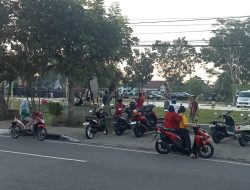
x=226, y=113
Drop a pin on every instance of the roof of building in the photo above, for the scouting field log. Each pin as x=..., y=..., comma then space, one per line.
x=154, y=85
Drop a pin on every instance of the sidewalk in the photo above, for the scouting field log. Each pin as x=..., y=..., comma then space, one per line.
x=228, y=149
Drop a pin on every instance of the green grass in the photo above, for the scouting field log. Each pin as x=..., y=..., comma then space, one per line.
x=205, y=116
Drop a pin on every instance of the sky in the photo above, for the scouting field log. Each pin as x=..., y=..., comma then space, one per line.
x=195, y=31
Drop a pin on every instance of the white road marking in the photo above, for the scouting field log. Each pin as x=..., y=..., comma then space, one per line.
x=42, y=156
x=142, y=151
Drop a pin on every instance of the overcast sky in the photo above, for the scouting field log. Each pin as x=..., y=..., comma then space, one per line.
x=166, y=10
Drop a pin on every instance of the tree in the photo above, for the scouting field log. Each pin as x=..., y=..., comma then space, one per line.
x=4, y=33
x=229, y=49
x=196, y=86
x=223, y=86
x=76, y=38
x=111, y=79
x=175, y=60
x=139, y=69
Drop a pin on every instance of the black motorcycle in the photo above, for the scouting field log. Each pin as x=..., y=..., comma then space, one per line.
x=149, y=113
x=123, y=122
x=223, y=129
x=95, y=125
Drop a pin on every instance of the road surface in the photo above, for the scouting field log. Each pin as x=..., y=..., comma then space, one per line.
x=27, y=164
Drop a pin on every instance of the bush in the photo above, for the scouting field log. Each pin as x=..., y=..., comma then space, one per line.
x=55, y=108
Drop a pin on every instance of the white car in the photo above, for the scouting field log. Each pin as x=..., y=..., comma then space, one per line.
x=243, y=99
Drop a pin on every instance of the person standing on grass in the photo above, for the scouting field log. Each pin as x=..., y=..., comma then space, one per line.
x=193, y=109
x=166, y=102
x=106, y=101
x=140, y=101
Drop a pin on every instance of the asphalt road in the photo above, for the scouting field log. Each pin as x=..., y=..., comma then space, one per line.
x=27, y=164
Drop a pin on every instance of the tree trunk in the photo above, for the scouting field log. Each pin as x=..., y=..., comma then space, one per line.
x=71, y=99
x=4, y=113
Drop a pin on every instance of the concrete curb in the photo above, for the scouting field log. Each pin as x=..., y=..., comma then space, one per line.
x=4, y=132
x=50, y=136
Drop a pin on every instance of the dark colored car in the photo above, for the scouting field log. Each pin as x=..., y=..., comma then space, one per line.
x=180, y=95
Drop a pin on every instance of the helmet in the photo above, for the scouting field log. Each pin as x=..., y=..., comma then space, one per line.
x=182, y=109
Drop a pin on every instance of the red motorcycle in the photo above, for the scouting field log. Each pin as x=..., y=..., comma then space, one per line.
x=17, y=127
x=143, y=120
x=169, y=141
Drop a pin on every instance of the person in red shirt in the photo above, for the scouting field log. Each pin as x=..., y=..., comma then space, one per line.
x=140, y=100
x=119, y=107
x=171, y=118
x=193, y=109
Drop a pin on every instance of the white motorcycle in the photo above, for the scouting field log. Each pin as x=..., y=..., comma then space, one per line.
x=242, y=132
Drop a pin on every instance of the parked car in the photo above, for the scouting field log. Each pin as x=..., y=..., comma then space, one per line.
x=243, y=99
x=180, y=95
x=155, y=95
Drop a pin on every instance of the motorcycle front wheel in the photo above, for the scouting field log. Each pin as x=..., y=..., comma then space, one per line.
x=14, y=131
x=161, y=148
x=138, y=131
x=41, y=133
x=118, y=129
x=89, y=132
x=206, y=151
x=243, y=142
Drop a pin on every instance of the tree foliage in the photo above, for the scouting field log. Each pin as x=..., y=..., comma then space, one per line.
x=196, y=86
x=176, y=60
x=229, y=49
x=139, y=69
x=76, y=38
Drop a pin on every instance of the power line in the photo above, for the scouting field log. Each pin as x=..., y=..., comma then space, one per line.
x=178, y=32
x=198, y=45
x=181, y=18
x=186, y=20
x=173, y=25
x=149, y=41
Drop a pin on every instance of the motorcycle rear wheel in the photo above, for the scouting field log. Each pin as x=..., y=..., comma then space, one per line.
x=14, y=131
x=160, y=148
x=41, y=133
x=138, y=131
x=206, y=151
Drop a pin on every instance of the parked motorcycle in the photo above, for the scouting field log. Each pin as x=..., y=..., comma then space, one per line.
x=123, y=122
x=95, y=125
x=143, y=120
x=223, y=129
x=17, y=127
x=242, y=132
x=169, y=141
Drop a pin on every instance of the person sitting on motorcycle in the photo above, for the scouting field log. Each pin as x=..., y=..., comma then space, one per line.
x=119, y=108
x=25, y=113
x=183, y=131
x=171, y=118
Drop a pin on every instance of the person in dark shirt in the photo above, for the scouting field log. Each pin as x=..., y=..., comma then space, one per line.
x=106, y=101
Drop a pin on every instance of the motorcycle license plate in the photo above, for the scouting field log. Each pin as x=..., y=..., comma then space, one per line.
x=85, y=123
x=133, y=122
